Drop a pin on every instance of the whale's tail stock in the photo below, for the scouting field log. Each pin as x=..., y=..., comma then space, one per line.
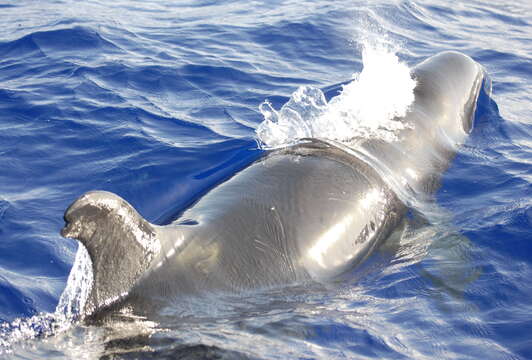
x=120, y=242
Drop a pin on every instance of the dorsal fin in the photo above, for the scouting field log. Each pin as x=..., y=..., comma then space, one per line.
x=120, y=243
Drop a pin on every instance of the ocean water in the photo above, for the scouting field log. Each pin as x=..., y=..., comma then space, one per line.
x=160, y=101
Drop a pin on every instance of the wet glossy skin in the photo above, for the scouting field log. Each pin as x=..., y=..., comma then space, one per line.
x=308, y=212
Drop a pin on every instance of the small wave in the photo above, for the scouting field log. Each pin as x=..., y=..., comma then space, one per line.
x=56, y=41
x=3, y=207
x=367, y=107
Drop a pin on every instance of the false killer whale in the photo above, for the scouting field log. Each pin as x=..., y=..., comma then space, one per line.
x=306, y=212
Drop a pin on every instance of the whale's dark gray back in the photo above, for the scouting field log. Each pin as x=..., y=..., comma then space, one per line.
x=282, y=220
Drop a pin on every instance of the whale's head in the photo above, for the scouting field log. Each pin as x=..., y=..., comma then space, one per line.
x=120, y=243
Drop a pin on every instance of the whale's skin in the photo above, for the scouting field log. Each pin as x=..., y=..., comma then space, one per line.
x=308, y=212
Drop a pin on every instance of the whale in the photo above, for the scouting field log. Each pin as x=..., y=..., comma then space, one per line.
x=308, y=212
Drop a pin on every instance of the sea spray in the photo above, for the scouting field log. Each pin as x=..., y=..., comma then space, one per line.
x=79, y=284
x=68, y=310
x=367, y=107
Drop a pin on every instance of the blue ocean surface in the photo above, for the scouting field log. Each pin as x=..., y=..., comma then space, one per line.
x=158, y=101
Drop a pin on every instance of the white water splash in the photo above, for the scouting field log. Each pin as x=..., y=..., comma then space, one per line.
x=79, y=285
x=71, y=302
x=367, y=107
